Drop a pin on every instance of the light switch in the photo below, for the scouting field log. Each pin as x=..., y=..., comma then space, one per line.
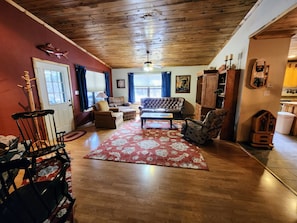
x=76, y=92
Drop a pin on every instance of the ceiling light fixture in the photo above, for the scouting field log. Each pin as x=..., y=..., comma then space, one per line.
x=147, y=66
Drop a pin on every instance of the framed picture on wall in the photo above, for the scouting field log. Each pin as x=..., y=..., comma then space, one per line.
x=121, y=83
x=182, y=84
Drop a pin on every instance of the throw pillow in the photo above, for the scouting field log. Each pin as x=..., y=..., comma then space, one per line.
x=103, y=106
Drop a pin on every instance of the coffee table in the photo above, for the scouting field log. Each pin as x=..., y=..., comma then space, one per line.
x=156, y=116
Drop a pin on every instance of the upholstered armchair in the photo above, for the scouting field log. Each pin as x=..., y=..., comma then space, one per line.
x=201, y=132
x=119, y=102
x=106, y=117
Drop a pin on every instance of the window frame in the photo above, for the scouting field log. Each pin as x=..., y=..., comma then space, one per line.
x=147, y=88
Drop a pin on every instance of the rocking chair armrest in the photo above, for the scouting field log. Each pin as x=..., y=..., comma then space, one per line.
x=194, y=121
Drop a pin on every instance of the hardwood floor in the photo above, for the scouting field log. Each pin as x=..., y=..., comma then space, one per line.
x=235, y=189
x=281, y=160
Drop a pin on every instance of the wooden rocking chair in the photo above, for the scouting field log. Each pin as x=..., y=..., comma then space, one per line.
x=39, y=135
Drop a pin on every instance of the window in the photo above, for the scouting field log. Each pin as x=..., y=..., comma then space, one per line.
x=55, y=87
x=95, y=84
x=147, y=85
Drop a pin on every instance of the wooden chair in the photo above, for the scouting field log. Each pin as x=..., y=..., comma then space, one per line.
x=202, y=131
x=39, y=136
x=36, y=201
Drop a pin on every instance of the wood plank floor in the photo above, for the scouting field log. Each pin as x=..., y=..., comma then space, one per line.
x=281, y=160
x=235, y=189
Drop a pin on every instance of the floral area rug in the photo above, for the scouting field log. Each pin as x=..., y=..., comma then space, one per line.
x=156, y=144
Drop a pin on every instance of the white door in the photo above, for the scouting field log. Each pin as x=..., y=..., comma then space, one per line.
x=54, y=91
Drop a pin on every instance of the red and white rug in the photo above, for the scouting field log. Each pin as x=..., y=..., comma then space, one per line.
x=154, y=146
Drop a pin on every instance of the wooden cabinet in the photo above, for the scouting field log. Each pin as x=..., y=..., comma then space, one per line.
x=229, y=102
x=216, y=90
x=209, y=87
x=207, y=84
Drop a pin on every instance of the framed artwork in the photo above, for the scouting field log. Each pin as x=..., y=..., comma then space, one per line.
x=121, y=83
x=182, y=84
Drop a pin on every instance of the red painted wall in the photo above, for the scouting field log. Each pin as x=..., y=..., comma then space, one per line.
x=19, y=36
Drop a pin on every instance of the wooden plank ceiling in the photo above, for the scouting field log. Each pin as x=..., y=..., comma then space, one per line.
x=119, y=32
x=283, y=27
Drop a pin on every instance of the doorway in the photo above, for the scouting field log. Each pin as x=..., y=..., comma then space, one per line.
x=53, y=85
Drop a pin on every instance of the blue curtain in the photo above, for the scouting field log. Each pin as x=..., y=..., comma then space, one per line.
x=131, y=92
x=107, y=84
x=166, y=84
x=82, y=86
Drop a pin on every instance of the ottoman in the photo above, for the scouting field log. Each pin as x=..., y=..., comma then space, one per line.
x=128, y=113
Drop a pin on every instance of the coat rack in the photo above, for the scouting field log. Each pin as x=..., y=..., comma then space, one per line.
x=28, y=89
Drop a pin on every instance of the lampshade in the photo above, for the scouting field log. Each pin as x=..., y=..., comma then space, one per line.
x=101, y=95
